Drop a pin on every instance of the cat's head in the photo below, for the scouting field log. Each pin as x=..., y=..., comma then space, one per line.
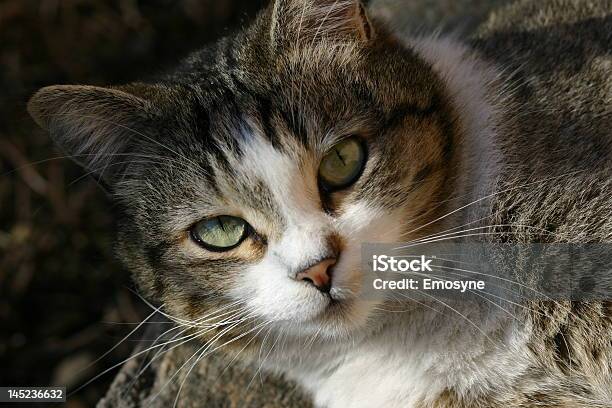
x=250, y=176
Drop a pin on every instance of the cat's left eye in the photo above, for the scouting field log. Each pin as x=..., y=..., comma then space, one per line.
x=342, y=165
x=220, y=233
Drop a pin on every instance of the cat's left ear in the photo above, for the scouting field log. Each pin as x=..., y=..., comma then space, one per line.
x=96, y=126
x=298, y=22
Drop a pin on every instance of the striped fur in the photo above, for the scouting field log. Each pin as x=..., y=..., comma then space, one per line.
x=240, y=127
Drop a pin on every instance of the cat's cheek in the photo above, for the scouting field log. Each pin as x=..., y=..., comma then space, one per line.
x=365, y=221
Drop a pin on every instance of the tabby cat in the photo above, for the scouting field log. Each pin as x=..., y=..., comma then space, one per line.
x=248, y=178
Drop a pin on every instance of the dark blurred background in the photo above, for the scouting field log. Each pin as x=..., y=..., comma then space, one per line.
x=64, y=301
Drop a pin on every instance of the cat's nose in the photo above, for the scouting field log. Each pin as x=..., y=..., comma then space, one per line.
x=319, y=274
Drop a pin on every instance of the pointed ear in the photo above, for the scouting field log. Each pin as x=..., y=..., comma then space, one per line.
x=93, y=125
x=307, y=21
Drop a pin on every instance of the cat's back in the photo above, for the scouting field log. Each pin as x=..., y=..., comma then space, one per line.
x=555, y=130
x=555, y=182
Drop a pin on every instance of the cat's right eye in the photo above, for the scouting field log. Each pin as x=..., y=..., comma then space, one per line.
x=221, y=233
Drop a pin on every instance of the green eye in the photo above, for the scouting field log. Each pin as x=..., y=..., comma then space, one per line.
x=220, y=233
x=343, y=165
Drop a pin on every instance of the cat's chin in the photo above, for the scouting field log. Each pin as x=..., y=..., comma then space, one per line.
x=339, y=319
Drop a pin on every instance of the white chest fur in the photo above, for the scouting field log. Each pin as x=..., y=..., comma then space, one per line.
x=404, y=367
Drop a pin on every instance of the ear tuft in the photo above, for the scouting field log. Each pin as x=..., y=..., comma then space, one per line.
x=302, y=22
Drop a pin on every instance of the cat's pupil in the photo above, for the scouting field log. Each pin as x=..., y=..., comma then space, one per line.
x=340, y=157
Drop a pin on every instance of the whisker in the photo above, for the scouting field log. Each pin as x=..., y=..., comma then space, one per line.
x=457, y=237
x=120, y=342
x=490, y=196
x=262, y=363
x=182, y=341
x=204, y=347
x=116, y=366
x=241, y=350
x=463, y=316
x=206, y=353
x=442, y=235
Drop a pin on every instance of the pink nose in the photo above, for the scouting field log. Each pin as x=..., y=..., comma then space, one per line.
x=319, y=274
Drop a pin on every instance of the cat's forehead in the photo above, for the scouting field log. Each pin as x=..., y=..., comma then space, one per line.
x=261, y=154
x=237, y=111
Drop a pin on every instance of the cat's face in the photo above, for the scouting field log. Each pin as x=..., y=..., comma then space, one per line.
x=249, y=179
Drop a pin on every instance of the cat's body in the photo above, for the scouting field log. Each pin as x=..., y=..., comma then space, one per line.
x=521, y=115
x=559, y=355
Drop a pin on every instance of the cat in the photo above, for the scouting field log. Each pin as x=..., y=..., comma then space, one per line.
x=248, y=178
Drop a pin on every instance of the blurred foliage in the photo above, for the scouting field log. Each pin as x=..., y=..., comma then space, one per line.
x=64, y=301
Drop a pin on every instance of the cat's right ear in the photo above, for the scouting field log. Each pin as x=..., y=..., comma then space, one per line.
x=309, y=22
x=94, y=125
